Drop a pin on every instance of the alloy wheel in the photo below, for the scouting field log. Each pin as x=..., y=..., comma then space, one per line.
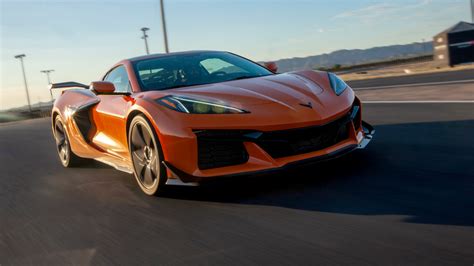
x=144, y=155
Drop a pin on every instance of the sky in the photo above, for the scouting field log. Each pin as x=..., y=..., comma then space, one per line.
x=81, y=40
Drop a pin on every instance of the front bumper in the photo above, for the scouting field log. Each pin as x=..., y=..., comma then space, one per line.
x=187, y=178
x=358, y=139
x=369, y=133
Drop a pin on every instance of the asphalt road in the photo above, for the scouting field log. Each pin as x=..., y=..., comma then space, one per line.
x=406, y=200
x=449, y=76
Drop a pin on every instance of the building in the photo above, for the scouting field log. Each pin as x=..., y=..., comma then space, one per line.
x=455, y=45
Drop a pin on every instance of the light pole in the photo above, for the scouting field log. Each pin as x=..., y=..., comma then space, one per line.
x=163, y=23
x=20, y=56
x=144, y=37
x=47, y=71
x=472, y=11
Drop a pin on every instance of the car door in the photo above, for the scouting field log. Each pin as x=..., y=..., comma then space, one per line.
x=110, y=114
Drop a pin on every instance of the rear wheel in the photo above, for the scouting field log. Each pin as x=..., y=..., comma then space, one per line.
x=146, y=154
x=66, y=156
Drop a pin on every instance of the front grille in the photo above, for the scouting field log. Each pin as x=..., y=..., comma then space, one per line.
x=219, y=150
x=357, y=119
x=298, y=141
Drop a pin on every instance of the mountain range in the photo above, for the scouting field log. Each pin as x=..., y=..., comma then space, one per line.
x=355, y=57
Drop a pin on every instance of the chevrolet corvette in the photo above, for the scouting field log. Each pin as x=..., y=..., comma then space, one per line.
x=184, y=118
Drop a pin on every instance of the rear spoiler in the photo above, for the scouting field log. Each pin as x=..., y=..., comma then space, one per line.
x=69, y=84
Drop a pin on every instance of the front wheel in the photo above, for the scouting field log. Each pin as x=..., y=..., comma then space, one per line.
x=146, y=154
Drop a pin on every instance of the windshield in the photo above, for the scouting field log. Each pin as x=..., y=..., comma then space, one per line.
x=199, y=68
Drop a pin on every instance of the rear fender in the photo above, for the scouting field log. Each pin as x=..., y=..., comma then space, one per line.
x=74, y=106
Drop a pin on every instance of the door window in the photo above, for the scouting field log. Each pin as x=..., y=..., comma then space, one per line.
x=118, y=76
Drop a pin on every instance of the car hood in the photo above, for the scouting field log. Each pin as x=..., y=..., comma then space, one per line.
x=287, y=89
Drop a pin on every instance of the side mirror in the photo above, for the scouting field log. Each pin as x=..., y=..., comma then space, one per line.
x=102, y=87
x=272, y=66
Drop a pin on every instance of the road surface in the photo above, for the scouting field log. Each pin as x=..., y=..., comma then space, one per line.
x=430, y=78
x=406, y=200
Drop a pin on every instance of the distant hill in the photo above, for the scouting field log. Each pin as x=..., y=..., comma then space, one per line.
x=34, y=106
x=354, y=57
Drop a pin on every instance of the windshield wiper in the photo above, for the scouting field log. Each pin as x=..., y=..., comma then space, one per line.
x=180, y=86
x=243, y=77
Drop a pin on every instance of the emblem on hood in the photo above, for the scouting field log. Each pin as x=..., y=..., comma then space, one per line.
x=309, y=105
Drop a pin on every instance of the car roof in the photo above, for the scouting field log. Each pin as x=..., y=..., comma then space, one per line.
x=151, y=56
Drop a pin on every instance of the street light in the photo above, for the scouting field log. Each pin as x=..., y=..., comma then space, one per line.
x=144, y=37
x=20, y=57
x=163, y=23
x=423, y=44
x=47, y=71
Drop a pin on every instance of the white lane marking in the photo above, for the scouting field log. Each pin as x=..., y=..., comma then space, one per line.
x=416, y=85
x=428, y=101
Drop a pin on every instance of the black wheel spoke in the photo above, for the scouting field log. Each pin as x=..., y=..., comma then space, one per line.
x=60, y=142
x=59, y=134
x=59, y=128
x=141, y=134
x=147, y=138
x=61, y=153
x=137, y=138
x=142, y=172
x=139, y=156
x=153, y=164
x=139, y=167
x=148, y=177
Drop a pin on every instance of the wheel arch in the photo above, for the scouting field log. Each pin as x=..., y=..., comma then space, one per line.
x=130, y=117
x=135, y=112
x=53, y=117
x=54, y=114
x=140, y=112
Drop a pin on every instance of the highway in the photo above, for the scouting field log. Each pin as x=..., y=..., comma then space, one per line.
x=408, y=199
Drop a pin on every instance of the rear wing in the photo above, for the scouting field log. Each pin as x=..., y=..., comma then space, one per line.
x=69, y=84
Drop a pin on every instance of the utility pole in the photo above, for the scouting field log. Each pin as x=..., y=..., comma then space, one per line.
x=144, y=37
x=163, y=23
x=20, y=57
x=47, y=71
x=472, y=11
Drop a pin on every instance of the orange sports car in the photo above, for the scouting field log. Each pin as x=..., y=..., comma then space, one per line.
x=183, y=118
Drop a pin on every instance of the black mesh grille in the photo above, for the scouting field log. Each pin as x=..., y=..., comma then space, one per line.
x=298, y=141
x=357, y=119
x=219, y=150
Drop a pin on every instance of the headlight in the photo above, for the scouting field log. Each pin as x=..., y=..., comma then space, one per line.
x=337, y=84
x=194, y=106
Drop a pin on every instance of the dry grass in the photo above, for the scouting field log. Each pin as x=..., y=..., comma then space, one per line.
x=453, y=92
x=403, y=70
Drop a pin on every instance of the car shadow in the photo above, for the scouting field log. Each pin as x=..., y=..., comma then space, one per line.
x=421, y=171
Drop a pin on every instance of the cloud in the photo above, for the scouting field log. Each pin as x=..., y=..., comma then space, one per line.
x=381, y=10
x=368, y=11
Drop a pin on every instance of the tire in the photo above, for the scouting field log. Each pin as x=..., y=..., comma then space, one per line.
x=146, y=154
x=66, y=155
